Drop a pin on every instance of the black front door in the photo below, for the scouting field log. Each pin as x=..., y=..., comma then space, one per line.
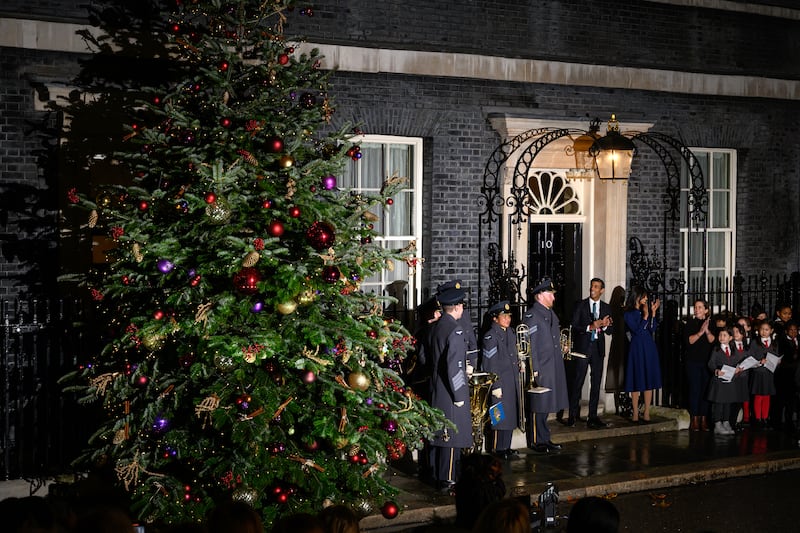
x=554, y=250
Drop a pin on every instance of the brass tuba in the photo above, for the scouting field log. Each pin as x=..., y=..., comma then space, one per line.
x=479, y=385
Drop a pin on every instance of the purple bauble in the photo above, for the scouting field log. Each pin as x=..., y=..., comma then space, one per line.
x=165, y=266
x=329, y=182
x=257, y=307
x=389, y=425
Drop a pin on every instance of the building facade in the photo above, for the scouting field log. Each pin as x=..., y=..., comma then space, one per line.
x=439, y=86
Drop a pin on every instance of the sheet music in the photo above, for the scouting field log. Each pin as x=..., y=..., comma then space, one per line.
x=726, y=373
x=748, y=363
x=772, y=362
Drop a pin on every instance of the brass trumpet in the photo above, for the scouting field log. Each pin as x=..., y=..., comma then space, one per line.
x=566, y=345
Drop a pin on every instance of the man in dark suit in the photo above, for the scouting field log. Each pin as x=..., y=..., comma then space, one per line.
x=590, y=324
x=547, y=362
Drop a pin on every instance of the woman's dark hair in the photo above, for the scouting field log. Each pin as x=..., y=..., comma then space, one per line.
x=636, y=293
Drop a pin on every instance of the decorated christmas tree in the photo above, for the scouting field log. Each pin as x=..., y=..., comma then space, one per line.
x=241, y=358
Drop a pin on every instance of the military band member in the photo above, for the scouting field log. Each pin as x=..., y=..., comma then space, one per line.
x=450, y=387
x=500, y=357
x=466, y=323
x=548, y=362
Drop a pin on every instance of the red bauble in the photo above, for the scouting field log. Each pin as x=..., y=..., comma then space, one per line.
x=246, y=280
x=283, y=59
x=294, y=211
x=210, y=198
x=275, y=228
x=331, y=273
x=225, y=122
x=389, y=510
x=321, y=235
x=274, y=144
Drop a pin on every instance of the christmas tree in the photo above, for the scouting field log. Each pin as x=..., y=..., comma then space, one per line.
x=241, y=358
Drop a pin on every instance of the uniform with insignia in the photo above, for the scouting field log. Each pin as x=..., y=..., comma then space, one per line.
x=547, y=359
x=450, y=388
x=500, y=357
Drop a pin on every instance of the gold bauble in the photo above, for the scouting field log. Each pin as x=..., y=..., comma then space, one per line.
x=153, y=341
x=219, y=212
x=286, y=308
x=103, y=200
x=286, y=161
x=306, y=297
x=358, y=380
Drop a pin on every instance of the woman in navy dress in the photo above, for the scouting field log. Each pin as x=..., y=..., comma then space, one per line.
x=643, y=371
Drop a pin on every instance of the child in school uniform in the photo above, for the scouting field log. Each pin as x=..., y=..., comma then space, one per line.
x=741, y=349
x=746, y=326
x=723, y=394
x=762, y=381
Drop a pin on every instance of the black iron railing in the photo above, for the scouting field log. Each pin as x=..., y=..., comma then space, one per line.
x=41, y=428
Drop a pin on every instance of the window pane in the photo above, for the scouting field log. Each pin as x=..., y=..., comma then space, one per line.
x=716, y=249
x=372, y=171
x=721, y=174
x=702, y=160
x=696, y=249
x=349, y=178
x=720, y=210
x=399, y=215
x=400, y=162
x=684, y=206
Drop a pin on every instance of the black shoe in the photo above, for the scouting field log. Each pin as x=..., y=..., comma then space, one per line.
x=553, y=447
x=447, y=487
x=539, y=448
x=507, y=455
x=596, y=423
x=570, y=423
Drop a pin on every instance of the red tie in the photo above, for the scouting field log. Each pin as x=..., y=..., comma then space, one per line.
x=739, y=346
x=766, y=343
x=727, y=352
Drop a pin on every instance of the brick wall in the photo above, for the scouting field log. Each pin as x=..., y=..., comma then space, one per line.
x=28, y=223
x=62, y=10
x=450, y=116
x=620, y=32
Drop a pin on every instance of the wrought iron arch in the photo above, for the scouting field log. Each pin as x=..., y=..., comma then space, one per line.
x=505, y=278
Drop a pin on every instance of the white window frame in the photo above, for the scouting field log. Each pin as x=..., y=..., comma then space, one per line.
x=414, y=288
x=729, y=231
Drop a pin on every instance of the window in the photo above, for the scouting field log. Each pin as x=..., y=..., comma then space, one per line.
x=708, y=267
x=400, y=223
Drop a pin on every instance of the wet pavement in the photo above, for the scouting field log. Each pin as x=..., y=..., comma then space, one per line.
x=624, y=458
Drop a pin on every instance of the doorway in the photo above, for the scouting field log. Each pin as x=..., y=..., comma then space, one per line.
x=555, y=250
